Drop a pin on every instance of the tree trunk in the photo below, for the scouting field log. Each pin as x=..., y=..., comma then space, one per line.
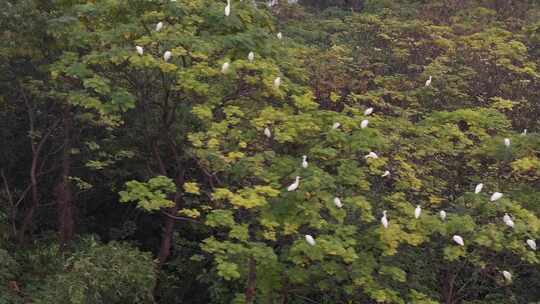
x=168, y=229
x=29, y=216
x=63, y=191
x=448, y=287
x=251, y=284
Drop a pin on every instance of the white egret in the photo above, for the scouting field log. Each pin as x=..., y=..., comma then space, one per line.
x=310, y=240
x=139, y=49
x=371, y=155
x=228, y=8
x=442, y=214
x=279, y=36
x=337, y=202
x=304, y=161
x=251, y=56
x=417, y=211
x=507, y=275
x=384, y=220
x=267, y=132
x=368, y=111
x=495, y=196
x=428, y=82
x=159, y=26
x=167, y=55
x=294, y=185
x=386, y=173
x=532, y=244
x=510, y=223
x=225, y=67
x=458, y=239
x=478, y=188
x=364, y=123
x=507, y=142
x=506, y=218
x=277, y=82
x=524, y=132
x=336, y=125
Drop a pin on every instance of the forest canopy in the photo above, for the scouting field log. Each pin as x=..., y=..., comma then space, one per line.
x=229, y=151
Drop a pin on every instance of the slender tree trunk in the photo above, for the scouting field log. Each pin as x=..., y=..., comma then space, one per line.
x=251, y=284
x=29, y=216
x=63, y=191
x=168, y=228
x=448, y=287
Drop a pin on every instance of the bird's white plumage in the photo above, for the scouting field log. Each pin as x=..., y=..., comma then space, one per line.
x=294, y=185
x=267, y=132
x=478, y=188
x=304, y=161
x=507, y=142
x=532, y=244
x=310, y=240
x=336, y=125
x=338, y=202
x=364, y=123
x=442, y=214
x=251, y=56
x=507, y=275
x=506, y=217
x=458, y=239
x=428, y=82
x=386, y=173
x=279, y=35
x=524, y=132
x=225, y=67
x=277, y=82
x=139, y=49
x=417, y=211
x=384, y=220
x=159, y=26
x=495, y=196
x=368, y=111
x=371, y=155
x=228, y=8
x=167, y=55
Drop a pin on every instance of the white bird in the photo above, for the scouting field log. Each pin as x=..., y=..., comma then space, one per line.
x=336, y=125
x=507, y=275
x=167, y=55
x=524, y=132
x=368, y=111
x=510, y=223
x=428, y=82
x=384, y=220
x=225, y=67
x=277, y=82
x=459, y=240
x=337, y=202
x=279, y=35
x=267, y=132
x=506, y=218
x=417, y=211
x=495, y=196
x=304, y=161
x=507, y=142
x=371, y=155
x=532, y=244
x=364, y=123
x=228, y=8
x=478, y=188
x=251, y=56
x=386, y=173
x=159, y=26
x=310, y=240
x=442, y=214
x=140, y=50
x=294, y=185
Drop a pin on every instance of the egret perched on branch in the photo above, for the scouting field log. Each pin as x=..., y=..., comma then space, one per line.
x=225, y=67
x=304, y=161
x=167, y=55
x=336, y=125
x=495, y=196
x=159, y=26
x=532, y=244
x=140, y=50
x=386, y=173
x=337, y=202
x=507, y=275
x=384, y=220
x=428, y=82
x=524, y=132
x=371, y=155
x=459, y=240
x=277, y=82
x=508, y=220
x=251, y=56
x=310, y=240
x=417, y=211
x=267, y=132
x=442, y=214
x=368, y=111
x=294, y=185
x=507, y=142
x=228, y=8
x=478, y=188
x=364, y=123
x=279, y=35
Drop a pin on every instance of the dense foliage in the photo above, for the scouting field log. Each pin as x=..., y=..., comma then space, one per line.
x=203, y=151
